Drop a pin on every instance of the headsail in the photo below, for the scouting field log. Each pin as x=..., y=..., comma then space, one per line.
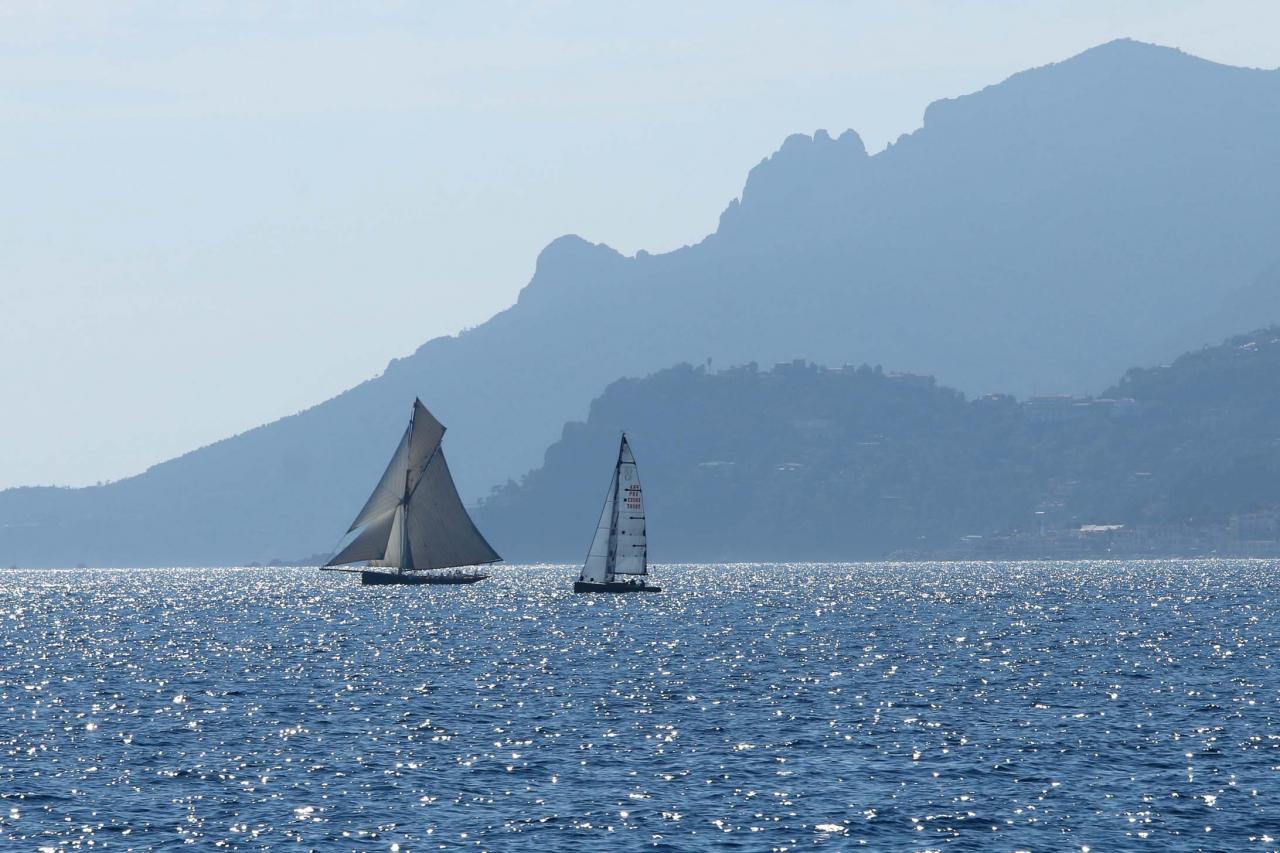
x=415, y=519
x=395, y=555
x=370, y=544
x=620, y=545
x=596, y=569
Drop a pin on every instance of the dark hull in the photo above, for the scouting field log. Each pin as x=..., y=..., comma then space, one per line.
x=370, y=578
x=587, y=586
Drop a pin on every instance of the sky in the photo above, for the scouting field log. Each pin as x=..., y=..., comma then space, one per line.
x=215, y=214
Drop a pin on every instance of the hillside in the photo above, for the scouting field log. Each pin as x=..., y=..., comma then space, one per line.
x=1039, y=235
x=804, y=462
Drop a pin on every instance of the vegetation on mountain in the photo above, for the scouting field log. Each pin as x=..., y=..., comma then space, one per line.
x=806, y=462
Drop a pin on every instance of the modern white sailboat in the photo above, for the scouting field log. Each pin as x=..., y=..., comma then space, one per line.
x=414, y=524
x=619, y=557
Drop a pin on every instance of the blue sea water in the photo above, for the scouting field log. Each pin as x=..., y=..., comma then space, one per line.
x=963, y=706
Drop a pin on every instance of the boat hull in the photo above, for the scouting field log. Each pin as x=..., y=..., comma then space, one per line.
x=372, y=578
x=588, y=586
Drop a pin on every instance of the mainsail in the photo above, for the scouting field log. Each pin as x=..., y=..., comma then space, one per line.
x=619, y=546
x=414, y=520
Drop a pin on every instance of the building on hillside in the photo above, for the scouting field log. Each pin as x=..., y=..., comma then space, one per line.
x=1058, y=409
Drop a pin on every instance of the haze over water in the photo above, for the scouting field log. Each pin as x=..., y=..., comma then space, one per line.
x=757, y=707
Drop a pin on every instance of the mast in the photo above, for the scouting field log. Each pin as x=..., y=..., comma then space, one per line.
x=404, y=502
x=404, y=528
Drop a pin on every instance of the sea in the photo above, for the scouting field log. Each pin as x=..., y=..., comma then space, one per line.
x=758, y=707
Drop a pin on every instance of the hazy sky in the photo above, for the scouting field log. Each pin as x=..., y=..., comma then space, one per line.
x=215, y=214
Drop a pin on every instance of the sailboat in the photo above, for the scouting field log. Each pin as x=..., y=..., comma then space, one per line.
x=619, y=557
x=414, y=524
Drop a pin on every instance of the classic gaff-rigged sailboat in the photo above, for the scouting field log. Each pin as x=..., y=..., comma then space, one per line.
x=414, y=521
x=619, y=557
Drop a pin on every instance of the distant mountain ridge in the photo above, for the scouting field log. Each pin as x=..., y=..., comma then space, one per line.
x=1043, y=234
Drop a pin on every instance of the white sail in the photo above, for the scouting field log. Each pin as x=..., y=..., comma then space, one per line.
x=414, y=519
x=596, y=569
x=370, y=544
x=439, y=532
x=619, y=546
x=630, y=551
x=394, y=555
x=386, y=495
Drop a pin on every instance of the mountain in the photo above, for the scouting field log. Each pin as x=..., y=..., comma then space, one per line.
x=809, y=463
x=1042, y=234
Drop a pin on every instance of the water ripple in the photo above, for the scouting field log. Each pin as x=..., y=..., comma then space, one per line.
x=755, y=707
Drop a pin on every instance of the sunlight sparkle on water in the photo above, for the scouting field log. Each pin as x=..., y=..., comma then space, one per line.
x=1087, y=706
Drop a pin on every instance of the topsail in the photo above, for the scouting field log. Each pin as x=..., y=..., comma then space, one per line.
x=414, y=520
